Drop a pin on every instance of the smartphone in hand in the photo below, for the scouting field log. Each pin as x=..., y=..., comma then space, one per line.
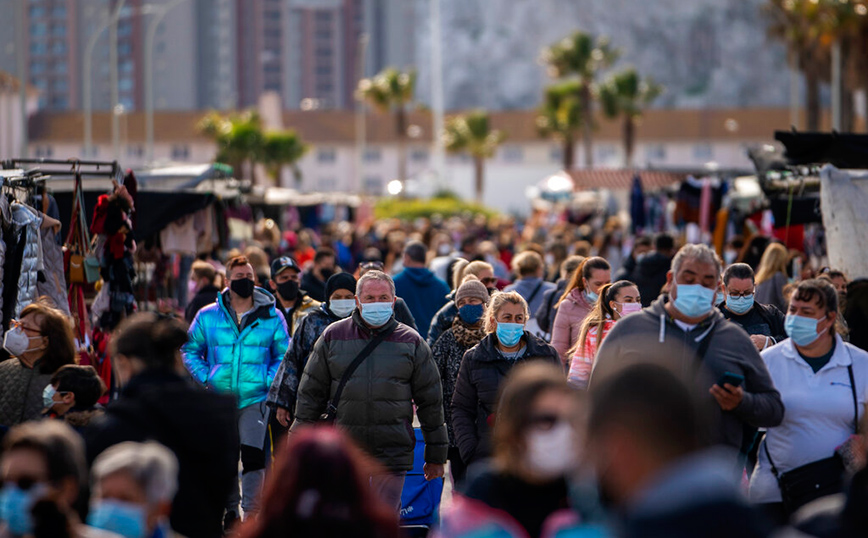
x=730, y=378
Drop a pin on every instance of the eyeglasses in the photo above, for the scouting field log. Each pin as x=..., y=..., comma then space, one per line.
x=17, y=323
x=744, y=294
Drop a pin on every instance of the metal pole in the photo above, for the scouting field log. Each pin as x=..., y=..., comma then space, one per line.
x=21, y=60
x=113, y=78
x=836, y=86
x=360, y=113
x=149, y=77
x=437, y=104
x=795, y=79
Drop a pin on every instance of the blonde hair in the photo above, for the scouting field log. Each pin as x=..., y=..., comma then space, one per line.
x=496, y=303
x=477, y=267
x=774, y=261
x=600, y=312
x=527, y=263
x=458, y=272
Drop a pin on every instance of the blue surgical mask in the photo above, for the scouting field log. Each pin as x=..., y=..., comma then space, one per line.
x=694, y=300
x=509, y=334
x=376, y=314
x=15, y=506
x=126, y=519
x=48, y=396
x=591, y=296
x=342, y=307
x=739, y=305
x=802, y=330
x=718, y=299
x=470, y=313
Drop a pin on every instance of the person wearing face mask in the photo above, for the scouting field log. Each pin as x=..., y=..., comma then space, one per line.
x=72, y=396
x=617, y=300
x=235, y=347
x=467, y=330
x=394, y=371
x=40, y=342
x=313, y=280
x=158, y=403
x=43, y=471
x=292, y=302
x=484, y=367
x=764, y=323
x=824, y=384
x=204, y=292
x=341, y=291
x=446, y=315
x=523, y=489
x=577, y=302
x=133, y=488
x=684, y=331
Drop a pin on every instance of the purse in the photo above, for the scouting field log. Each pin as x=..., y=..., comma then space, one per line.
x=813, y=480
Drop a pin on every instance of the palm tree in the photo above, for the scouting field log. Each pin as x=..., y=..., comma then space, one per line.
x=282, y=148
x=625, y=95
x=581, y=57
x=560, y=116
x=391, y=90
x=472, y=133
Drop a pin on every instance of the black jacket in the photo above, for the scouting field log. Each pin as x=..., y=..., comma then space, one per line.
x=650, y=276
x=763, y=319
x=545, y=314
x=314, y=287
x=474, y=401
x=204, y=297
x=199, y=427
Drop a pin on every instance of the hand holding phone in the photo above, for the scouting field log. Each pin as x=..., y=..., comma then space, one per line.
x=729, y=378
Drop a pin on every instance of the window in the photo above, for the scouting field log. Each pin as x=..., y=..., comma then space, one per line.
x=125, y=29
x=61, y=85
x=59, y=102
x=58, y=12
x=419, y=155
x=606, y=153
x=58, y=29
x=37, y=68
x=180, y=152
x=125, y=48
x=60, y=67
x=135, y=151
x=59, y=47
x=373, y=155
x=323, y=16
x=125, y=84
x=512, y=154
x=556, y=154
x=326, y=155
x=37, y=12
x=372, y=185
x=703, y=152
x=38, y=29
x=323, y=70
x=43, y=152
x=324, y=52
x=38, y=47
x=125, y=66
x=94, y=152
x=655, y=152
x=326, y=184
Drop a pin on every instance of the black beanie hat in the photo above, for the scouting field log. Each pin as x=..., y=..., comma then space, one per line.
x=340, y=281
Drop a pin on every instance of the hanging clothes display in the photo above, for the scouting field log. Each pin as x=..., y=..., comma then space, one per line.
x=31, y=256
x=54, y=283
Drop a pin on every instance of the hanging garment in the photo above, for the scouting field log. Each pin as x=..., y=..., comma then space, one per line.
x=54, y=285
x=180, y=237
x=28, y=221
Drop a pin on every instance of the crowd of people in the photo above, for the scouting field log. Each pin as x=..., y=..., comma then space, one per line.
x=565, y=383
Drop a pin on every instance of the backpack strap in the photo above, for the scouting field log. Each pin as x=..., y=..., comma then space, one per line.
x=855, y=398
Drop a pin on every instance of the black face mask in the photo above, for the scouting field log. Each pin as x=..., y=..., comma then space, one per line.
x=288, y=290
x=243, y=287
x=326, y=273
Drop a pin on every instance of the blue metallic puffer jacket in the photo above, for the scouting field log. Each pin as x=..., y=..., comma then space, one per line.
x=241, y=361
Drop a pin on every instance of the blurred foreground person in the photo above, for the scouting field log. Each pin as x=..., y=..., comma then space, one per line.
x=319, y=487
x=133, y=488
x=536, y=446
x=484, y=367
x=43, y=473
x=644, y=433
x=157, y=403
x=40, y=342
x=824, y=383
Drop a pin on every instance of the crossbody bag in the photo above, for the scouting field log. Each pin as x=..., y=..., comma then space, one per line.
x=332, y=410
x=813, y=480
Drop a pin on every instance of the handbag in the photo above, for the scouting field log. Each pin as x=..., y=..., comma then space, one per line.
x=84, y=266
x=813, y=480
x=332, y=409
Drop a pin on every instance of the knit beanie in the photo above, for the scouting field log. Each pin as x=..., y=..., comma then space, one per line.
x=340, y=281
x=472, y=287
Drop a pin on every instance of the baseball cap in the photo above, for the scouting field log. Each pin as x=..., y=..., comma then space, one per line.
x=283, y=263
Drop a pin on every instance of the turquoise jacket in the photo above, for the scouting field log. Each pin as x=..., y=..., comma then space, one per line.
x=239, y=360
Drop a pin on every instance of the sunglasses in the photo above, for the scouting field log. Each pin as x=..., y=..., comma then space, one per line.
x=490, y=280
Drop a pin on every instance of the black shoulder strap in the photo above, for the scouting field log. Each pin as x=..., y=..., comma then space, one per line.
x=769, y=456
x=855, y=398
x=706, y=342
x=535, y=291
x=360, y=358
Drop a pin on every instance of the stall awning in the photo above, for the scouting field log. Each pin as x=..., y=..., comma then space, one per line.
x=623, y=179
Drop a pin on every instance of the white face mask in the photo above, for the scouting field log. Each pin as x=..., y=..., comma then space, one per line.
x=17, y=342
x=342, y=307
x=551, y=453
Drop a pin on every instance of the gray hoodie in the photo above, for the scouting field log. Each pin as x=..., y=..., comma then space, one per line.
x=653, y=336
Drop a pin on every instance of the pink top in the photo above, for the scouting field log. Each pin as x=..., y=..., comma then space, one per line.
x=568, y=323
x=583, y=361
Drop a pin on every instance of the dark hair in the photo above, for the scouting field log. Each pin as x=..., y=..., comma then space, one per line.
x=524, y=383
x=468, y=241
x=416, y=251
x=82, y=381
x=323, y=253
x=826, y=295
x=54, y=325
x=642, y=241
x=320, y=487
x=153, y=339
x=652, y=403
x=582, y=273
x=62, y=448
x=237, y=261
x=741, y=271
x=664, y=241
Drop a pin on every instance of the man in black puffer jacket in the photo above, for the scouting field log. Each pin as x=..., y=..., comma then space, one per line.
x=483, y=369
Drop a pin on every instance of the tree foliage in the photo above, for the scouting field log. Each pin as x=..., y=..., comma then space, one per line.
x=472, y=133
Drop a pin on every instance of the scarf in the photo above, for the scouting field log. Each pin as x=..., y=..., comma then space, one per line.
x=468, y=335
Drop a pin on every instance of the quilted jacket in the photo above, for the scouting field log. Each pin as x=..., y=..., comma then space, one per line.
x=442, y=321
x=376, y=407
x=31, y=263
x=20, y=392
x=240, y=360
x=474, y=402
